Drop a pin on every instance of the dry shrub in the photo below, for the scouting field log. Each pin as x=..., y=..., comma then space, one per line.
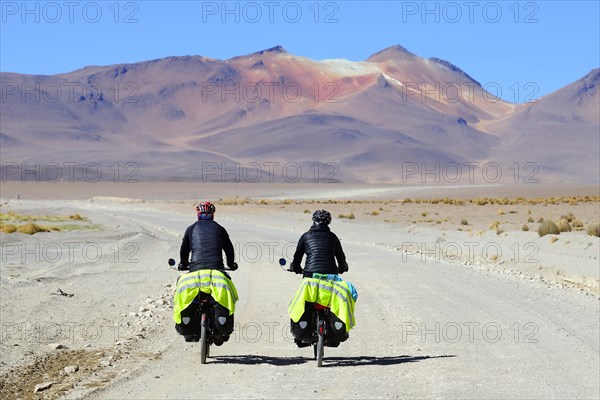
x=548, y=228
x=234, y=201
x=347, y=216
x=524, y=228
x=31, y=229
x=75, y=217
x=494, y=226
x=464, y=222
x=594, y=230
x=374, y=212
x=569, y=217
x=8, y=228
x=553, y=239
x=577, y=223
x=540, y=220
x=530, y=220
x=500, y=212
x=563, y=225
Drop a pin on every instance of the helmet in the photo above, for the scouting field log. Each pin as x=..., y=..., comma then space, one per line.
x=205, y=208
x=322, y=217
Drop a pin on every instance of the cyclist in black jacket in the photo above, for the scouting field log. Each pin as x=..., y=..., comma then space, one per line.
x=206, y=240
x=322, y=248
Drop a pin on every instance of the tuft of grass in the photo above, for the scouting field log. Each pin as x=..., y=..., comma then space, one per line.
x=553, y=239
x=569, y=217
x=464, y=222
x=528, y=212
x=347, y=216
x=594, y=230
x=31, y=229
x=500, y=212
x=8, y=228
x=577, y=223
x=530, y=220
x=524, y=228
x=563, y=225
x=74, y=227
x=233, y=201
x=424, y=214
x=307, y=211
x=494, y=226
x=548, y=228
x=14, y=217
x=540, y=220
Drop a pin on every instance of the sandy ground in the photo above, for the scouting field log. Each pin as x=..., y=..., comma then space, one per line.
x=442, y=312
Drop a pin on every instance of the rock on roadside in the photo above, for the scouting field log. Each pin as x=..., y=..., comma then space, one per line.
x=71, y=369
x=42, y=386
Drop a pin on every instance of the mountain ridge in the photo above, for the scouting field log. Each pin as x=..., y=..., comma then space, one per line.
x=240, y=109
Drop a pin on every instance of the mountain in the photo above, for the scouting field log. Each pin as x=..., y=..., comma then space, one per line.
x=559, y=134
x=264, y=115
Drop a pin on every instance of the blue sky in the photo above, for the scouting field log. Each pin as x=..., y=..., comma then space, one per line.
x=522, y=48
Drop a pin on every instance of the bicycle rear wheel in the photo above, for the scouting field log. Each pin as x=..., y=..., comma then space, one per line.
x=320, y=346
x=204, y=338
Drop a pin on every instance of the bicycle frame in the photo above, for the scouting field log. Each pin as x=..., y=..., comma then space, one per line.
x=322, y=316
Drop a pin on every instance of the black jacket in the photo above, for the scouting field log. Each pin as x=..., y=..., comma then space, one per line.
x=206, y=240
x=322, y=247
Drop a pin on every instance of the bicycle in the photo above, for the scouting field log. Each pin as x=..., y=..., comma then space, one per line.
x=208, y=333
x=320, y=318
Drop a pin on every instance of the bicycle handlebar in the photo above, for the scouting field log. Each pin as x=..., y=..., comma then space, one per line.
x=172, y=263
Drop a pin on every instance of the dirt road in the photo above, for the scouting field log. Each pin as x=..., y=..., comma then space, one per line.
x=424, y=330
